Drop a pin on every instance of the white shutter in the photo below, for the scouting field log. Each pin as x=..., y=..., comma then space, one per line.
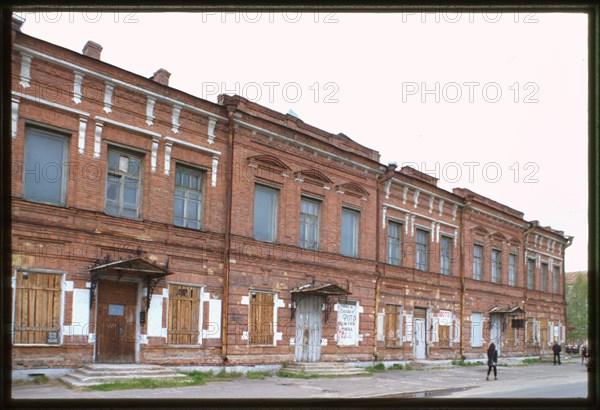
x=409, y=328
x=380, y=324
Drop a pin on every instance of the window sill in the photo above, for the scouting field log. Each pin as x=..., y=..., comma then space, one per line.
x=33, y=201
x=251, y=345
x=138, y=219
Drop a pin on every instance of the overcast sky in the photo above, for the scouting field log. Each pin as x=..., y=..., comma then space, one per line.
x=494, y=102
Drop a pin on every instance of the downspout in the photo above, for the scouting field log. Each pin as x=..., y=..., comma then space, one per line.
x=227, y=251
x=532, y=226
x=564, y=280
x=462, y=278
x=389, y=173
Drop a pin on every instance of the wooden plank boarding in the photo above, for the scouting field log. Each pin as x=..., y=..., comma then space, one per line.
x=37, y=307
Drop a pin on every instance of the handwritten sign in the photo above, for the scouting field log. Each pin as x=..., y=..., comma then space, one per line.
x=347, y=325
x=445, y=317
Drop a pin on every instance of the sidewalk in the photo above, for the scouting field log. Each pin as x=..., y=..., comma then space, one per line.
x=392, y=383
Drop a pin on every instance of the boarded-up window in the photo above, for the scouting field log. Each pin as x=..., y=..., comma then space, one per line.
x=261, y=318
x=444, y=335
x=543, y=332
x=510, y=335
x=393, y=334
x=184, y=311
x=37, y=308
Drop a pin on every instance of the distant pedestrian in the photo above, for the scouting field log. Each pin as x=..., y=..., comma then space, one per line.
x=556, y=349
x=584, y=353
x=492, y=355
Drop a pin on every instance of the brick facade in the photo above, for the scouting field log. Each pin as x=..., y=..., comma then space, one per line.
x=236, y=146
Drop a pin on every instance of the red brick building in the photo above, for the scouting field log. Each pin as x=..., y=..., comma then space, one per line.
x=152, y=226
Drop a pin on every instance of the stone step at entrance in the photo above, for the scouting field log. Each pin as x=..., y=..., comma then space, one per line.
x=431, y=364
x=324, y=368
x=105, y=373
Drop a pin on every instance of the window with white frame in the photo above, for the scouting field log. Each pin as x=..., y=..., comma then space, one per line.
x=394, y=243
x=512, y=269
x=555, y=283
x=45, y=168
x=446, y=255
x=309, y=223
x=544, y=278
x=189, y=184
x=496, y=265
x=530, y=270
x=265, y=213
x=476, y=329
x=350, y=220
x=477, y=261
x=421, y=260
x=37, y=308
x=123, y=184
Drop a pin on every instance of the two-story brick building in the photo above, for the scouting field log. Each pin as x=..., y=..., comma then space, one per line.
x=153, y=226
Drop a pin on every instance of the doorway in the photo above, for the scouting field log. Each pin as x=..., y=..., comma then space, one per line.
x=420, y=333
x=496, y=330
x=116, y=326
x=309, y=329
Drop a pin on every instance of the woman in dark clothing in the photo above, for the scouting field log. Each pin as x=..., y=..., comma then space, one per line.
x=492, y=355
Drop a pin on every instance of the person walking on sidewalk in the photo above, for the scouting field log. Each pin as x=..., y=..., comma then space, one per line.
x=492, y=355
x=556, y=349
x=583, y=353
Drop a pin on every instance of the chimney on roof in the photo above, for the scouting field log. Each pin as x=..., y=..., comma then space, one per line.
x=92, y=49
x=161, y=76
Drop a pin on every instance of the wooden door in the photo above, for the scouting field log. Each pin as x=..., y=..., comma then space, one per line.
x=117, y=327
x=309, y=329
x=496, y=331
x=420, y=333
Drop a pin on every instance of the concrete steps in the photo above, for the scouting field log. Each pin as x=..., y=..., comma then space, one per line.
x=431, y=364
x=324, y=368
x=105, y=373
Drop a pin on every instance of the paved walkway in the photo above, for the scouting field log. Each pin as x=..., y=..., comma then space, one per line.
x=393, y=383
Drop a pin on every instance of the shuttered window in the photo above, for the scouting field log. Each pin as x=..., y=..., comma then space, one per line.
x=37, y=308
x=444, y=335
x=261, y=318
x=393, y=329
x=184, y=315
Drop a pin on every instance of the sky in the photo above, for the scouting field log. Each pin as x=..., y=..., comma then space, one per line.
x=494, y=102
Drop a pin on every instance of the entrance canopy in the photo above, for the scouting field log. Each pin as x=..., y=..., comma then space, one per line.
x=326, y=290
x=507, y=311
x=136, y=266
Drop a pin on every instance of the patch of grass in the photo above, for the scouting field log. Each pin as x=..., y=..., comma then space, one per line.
x=259, y=375
x=378, y=368
x=397, y=366
x=463, y=363
x=40, y=379
x=531, y=360
x=145, y=384
x=299, y=375
x=193, y=378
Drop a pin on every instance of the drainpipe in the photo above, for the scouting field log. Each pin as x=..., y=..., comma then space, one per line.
x=564, y=281
x=227, y=251
x=389, y=173
x=532, y=226
x=462, y=278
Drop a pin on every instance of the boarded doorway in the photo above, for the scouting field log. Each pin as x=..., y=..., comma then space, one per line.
x=117, y=327
x=309, y=329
